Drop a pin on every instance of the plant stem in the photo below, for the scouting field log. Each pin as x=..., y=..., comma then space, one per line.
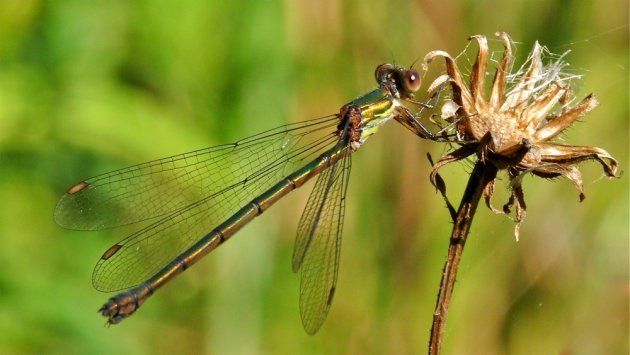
x=481, y=174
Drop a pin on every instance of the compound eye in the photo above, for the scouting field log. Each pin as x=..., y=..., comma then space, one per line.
x=411, y=80
x=383, y=71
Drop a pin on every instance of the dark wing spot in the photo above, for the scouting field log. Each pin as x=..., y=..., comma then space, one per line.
x=111, y=251
x=78, y=187
x=331, y=294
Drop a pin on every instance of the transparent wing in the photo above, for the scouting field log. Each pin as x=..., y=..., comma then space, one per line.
x=157, y=188
x=318, y=244
x=229, y=179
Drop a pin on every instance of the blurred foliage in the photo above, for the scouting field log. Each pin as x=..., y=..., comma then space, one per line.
x=90, y=86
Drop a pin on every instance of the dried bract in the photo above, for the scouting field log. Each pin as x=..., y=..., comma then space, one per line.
x=514, y=127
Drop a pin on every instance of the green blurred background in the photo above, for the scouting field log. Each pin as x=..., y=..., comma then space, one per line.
x=90, y=86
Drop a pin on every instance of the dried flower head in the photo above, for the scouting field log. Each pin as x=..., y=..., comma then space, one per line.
x=513, y=129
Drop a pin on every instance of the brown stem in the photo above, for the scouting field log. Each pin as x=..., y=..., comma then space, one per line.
x=480, y=176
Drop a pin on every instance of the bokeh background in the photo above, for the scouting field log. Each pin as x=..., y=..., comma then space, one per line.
x=90, y=86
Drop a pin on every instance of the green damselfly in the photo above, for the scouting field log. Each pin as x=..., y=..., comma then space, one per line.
x=195, y=201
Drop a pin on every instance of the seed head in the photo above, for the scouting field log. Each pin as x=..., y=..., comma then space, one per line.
x=514, y=127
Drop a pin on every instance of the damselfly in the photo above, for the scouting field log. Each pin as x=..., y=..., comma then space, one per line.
x=195, y=201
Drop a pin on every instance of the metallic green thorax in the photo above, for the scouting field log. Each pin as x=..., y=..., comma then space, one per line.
x=376, y=107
